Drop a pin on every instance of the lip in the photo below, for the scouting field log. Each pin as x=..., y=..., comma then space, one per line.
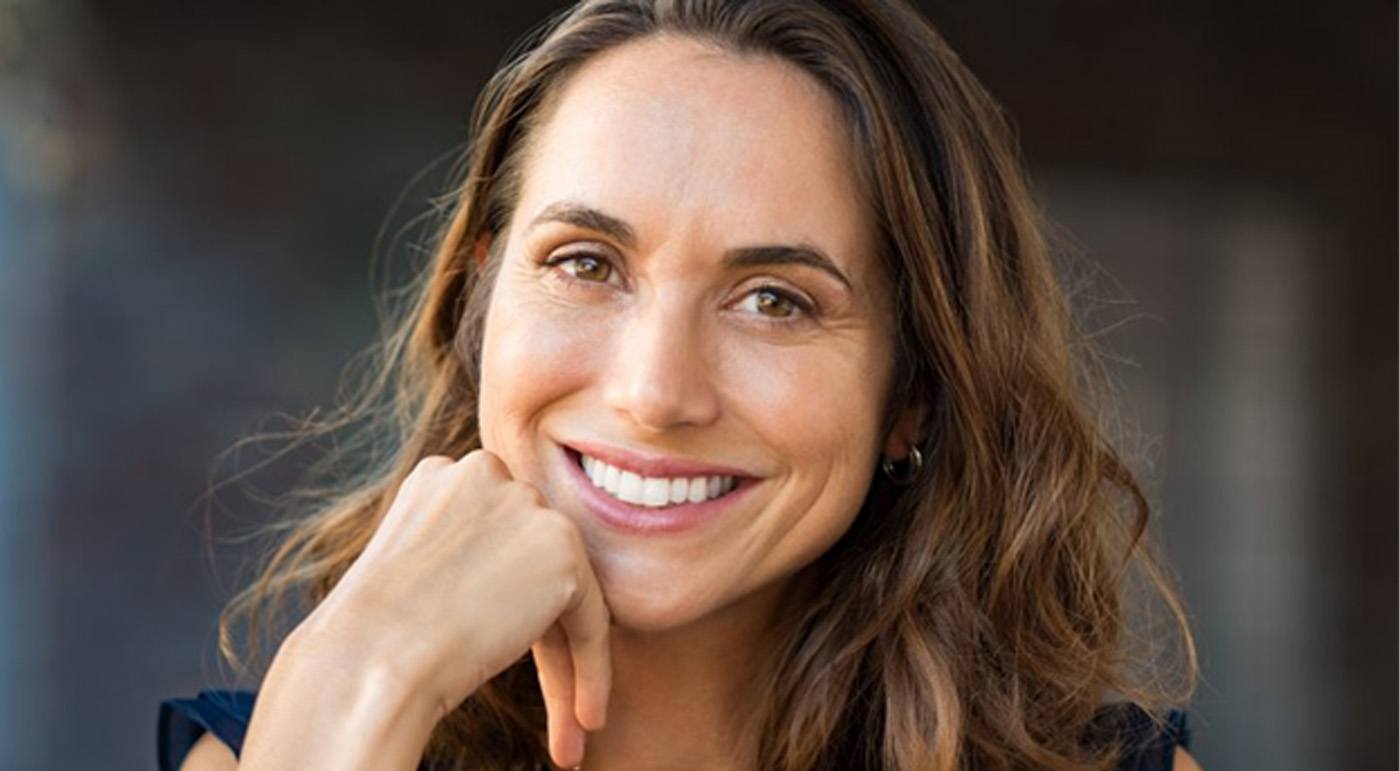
x=654, y=466
x=641, y=520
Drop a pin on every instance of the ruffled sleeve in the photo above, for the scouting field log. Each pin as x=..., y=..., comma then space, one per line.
x=182, y=721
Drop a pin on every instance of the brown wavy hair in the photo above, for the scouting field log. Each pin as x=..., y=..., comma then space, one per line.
x=977, y=618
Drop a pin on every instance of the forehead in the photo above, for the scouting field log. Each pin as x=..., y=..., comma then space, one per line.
x=681, y=139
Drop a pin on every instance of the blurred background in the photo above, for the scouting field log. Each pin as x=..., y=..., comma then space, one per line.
x=191, y=193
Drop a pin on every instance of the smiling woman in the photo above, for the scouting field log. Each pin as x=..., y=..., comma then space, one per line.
x=739, y=428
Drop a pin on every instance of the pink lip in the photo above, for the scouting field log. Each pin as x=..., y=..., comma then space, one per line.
x=654, y=466
x=641, y=520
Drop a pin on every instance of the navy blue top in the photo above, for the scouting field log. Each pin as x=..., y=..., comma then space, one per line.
x=226, y=714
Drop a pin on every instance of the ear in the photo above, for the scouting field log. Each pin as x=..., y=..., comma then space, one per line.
x=481, y=248
x=908, y=431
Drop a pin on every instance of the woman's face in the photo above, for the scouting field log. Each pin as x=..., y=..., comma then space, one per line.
x=688, y=290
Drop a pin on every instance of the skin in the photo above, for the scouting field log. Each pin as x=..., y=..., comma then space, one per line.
x=655, y=347
x=658, y=347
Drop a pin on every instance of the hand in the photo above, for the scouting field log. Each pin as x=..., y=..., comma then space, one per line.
x=468, y=569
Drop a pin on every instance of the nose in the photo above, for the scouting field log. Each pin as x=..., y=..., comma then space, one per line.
x=658, y=375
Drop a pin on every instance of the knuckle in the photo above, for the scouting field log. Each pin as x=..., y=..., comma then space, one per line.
x=421, y=476
x=569, y=588
x=563, y=542
x=527, y=494
x=485, y=462
x=559, y=528
x=428, y=464
x=559, y=534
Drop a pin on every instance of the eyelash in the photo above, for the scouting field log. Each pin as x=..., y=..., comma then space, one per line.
x=805, y=311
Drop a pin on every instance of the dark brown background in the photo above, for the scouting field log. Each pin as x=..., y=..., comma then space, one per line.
x=190, y=193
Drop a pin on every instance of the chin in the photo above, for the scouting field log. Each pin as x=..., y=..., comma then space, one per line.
x=649, y=618
x=651, y=603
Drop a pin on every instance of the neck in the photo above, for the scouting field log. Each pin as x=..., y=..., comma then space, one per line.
x=686, y=697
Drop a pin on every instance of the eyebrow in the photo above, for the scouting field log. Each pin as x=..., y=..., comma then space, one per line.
x=589, y=218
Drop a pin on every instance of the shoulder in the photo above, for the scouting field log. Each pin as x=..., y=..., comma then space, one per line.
x=209, y=754
x=1182, y=761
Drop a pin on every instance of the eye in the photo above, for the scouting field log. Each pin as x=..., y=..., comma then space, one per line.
x=587, y=267
x=779, y=305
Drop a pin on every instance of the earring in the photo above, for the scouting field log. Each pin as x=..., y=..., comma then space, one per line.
x=916, y=464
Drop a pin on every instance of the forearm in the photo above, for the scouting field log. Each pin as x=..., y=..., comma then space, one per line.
x=316, y=710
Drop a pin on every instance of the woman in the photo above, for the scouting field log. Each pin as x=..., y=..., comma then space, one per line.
x=738, y=428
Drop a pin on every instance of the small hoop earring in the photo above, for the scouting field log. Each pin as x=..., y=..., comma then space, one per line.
x=916, y=464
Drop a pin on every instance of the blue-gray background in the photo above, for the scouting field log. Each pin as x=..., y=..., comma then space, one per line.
x=190, y=194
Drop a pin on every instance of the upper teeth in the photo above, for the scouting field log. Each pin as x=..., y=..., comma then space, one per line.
x=634, y=488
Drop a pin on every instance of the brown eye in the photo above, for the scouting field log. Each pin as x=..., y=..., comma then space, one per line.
x=780, y=307
x=773, y=303
x=588, y=267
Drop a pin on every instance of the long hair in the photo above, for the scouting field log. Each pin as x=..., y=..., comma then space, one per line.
x=972, y=619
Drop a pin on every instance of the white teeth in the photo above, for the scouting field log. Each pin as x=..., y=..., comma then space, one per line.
x=696, y=490
x=629, y=487
x=680, y=488
x=656, y=492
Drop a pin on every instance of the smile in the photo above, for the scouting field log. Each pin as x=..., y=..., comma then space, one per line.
x=652, y=496
x=631, y=487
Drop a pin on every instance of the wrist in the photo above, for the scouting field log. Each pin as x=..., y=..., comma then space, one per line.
x=359, y=676
x=336, y=710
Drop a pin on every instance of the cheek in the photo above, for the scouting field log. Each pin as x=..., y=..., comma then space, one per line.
x=817, y=406
x=818, y=410
x=532, y=356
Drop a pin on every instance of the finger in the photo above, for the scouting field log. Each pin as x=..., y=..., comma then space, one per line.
x=586, y=625
x=556, y=673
